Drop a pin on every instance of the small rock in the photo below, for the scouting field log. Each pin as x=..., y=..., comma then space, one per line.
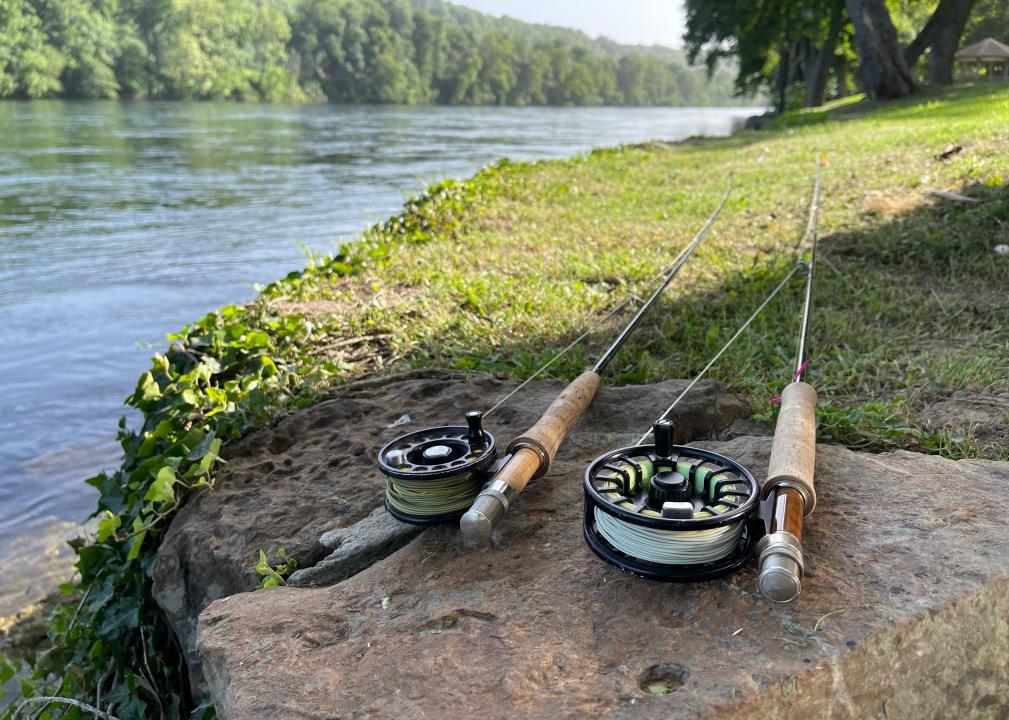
x=1002, y=249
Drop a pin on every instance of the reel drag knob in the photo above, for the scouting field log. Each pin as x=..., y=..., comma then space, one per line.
x=663, y=432
x=474, y=418
x=668, y=491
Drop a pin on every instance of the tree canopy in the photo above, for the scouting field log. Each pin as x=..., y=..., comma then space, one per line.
x=805, y=50
x=348, y=51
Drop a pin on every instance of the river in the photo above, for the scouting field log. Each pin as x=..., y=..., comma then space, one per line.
x=121, y=222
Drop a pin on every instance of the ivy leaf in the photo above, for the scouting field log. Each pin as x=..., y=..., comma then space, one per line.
x=7, y=669
x=137, y=543
x=201, y=448
x=164, y=429
x=108, y=525
x=163, y=487
x=257, y=339
x=147, y=388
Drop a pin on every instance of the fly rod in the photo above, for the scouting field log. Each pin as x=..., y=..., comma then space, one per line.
x=679, y=513
x=532, y=453
x=793, y=455
x=434, y=475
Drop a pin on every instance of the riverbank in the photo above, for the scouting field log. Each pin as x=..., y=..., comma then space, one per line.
x=133, y=219
x=498, y=272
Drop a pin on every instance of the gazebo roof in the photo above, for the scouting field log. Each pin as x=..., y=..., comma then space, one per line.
x=987, y=49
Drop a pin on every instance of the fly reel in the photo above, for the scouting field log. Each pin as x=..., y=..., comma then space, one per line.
x=434, y=475
x=671, y=512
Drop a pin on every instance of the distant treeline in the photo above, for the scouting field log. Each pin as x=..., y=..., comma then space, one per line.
x=353, y=51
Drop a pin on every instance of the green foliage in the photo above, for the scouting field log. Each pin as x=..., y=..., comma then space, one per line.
x=30, y=66
x=234, y=369
x=348, y=51
x=990, y=18
x=274, y=575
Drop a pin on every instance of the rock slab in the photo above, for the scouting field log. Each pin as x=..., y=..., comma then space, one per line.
x=315, y=473
x=904, y=614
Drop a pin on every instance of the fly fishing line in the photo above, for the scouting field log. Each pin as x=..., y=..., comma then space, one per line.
x=434, y=475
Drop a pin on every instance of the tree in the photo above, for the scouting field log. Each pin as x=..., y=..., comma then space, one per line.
x=884, y=72
x=388, y=51
x=776, y=44
x=30, y=67
x=86, y=36
x=823, y=58
x=942, y=34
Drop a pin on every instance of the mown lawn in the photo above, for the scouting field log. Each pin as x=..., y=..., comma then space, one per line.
x=498, y=272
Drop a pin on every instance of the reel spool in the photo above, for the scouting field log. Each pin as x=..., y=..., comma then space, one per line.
x=434, y=475
x=671, y=512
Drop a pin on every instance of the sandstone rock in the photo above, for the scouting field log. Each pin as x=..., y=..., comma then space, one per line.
x=315, y=472
x=904, y=614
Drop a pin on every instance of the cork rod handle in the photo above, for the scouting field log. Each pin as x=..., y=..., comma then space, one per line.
x=793, y=453
x=531, y=456
x=554, y=425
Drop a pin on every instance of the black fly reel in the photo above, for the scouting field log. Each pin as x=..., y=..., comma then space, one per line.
x=434, y=475
x=671, y=512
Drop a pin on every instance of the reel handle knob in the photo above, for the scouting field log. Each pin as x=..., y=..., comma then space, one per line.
x=474, y=418
x=663, y=431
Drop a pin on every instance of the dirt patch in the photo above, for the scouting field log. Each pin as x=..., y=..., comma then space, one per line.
x=984, y=415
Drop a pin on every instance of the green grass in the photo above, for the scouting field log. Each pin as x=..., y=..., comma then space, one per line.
x=507, y=267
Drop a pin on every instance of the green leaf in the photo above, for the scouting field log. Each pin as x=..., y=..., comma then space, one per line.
x=257, y=339
x=108, y=526
x=136, y=544
x=263, y=566
x=7, y=669
x=163, y=487
x=202, y=448
x=164, y=429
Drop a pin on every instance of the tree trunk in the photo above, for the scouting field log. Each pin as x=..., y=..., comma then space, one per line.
x=948, y=20
x=841, y=73
x=816, y=77
x=883, y=69
x=784, y=78
x=943, y=55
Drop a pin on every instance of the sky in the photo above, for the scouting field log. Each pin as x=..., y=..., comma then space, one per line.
x=644, y=22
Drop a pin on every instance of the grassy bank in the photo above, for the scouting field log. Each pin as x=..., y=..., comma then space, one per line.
x=498, y=272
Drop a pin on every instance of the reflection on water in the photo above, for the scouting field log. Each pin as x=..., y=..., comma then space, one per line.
x=120, y=222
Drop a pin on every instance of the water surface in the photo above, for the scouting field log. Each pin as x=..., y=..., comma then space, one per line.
x=121, y=222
